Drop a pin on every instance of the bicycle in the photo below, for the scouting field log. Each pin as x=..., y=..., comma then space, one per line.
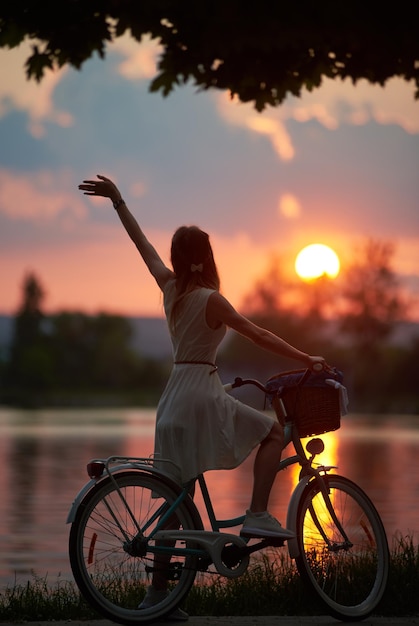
x=123, y=530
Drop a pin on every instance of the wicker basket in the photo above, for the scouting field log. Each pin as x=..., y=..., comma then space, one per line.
x=314, y=409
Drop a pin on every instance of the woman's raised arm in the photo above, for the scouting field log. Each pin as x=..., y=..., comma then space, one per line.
x=106, y=188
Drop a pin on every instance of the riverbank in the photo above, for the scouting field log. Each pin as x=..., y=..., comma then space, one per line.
x=269, y=587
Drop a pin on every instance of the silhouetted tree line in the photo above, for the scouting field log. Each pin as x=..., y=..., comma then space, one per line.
x=74, y=358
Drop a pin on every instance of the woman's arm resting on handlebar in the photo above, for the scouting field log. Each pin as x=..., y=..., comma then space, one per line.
x=219, y=310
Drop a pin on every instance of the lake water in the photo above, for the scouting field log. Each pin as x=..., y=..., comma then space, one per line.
x=44, y=455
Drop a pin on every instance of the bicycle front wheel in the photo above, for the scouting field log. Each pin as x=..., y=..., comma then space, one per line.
x=112, y=568
x=349, y=577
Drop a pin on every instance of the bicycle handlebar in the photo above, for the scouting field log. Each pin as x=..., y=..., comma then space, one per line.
x=239, y=382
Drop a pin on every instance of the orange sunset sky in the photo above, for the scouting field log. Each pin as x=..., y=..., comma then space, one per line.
x=336, y=166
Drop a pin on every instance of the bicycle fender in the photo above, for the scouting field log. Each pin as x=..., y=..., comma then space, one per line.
x=87, y=487
x=292, y=515
x=79, y=497
x=94, y=481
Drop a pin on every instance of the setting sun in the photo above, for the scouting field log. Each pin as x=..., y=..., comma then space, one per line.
x=317, y=260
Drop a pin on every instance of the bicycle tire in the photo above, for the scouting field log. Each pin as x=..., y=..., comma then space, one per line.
x=109, y=578
x=349, y=581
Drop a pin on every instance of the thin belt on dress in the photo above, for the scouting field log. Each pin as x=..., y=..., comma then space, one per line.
x=215, y=368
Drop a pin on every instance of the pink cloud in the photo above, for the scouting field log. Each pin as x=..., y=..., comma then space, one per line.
x=39, y=195
x=362, y=103
x=271, y=126
x=140, y=59
x=36, y=99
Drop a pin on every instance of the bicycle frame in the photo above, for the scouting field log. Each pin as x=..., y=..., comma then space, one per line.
x=210, y=543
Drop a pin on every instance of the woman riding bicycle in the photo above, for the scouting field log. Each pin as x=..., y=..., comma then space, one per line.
x=199, y=426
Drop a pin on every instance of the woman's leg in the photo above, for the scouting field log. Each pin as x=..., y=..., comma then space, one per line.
x=266, y=467
x=162, y=562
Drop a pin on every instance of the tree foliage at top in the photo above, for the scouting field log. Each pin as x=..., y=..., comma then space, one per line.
x=257, y=51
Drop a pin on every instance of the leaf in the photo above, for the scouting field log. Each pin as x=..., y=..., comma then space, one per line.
x=37, y=64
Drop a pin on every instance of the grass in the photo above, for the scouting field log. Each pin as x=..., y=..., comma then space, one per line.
x=39, y=600
x=271, y=586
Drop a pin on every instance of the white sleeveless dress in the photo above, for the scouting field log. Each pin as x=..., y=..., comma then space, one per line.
x=199, y=426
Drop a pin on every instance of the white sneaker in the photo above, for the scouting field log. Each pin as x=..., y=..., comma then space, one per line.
x=264, y=526
x=155, y=596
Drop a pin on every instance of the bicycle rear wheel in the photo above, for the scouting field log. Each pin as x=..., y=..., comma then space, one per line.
x=349, y=579
x=111, y=568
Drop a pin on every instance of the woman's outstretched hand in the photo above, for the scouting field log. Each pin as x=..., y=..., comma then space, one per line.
x=103, y=187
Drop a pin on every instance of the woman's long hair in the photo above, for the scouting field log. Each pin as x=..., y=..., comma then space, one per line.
x=193, y=263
